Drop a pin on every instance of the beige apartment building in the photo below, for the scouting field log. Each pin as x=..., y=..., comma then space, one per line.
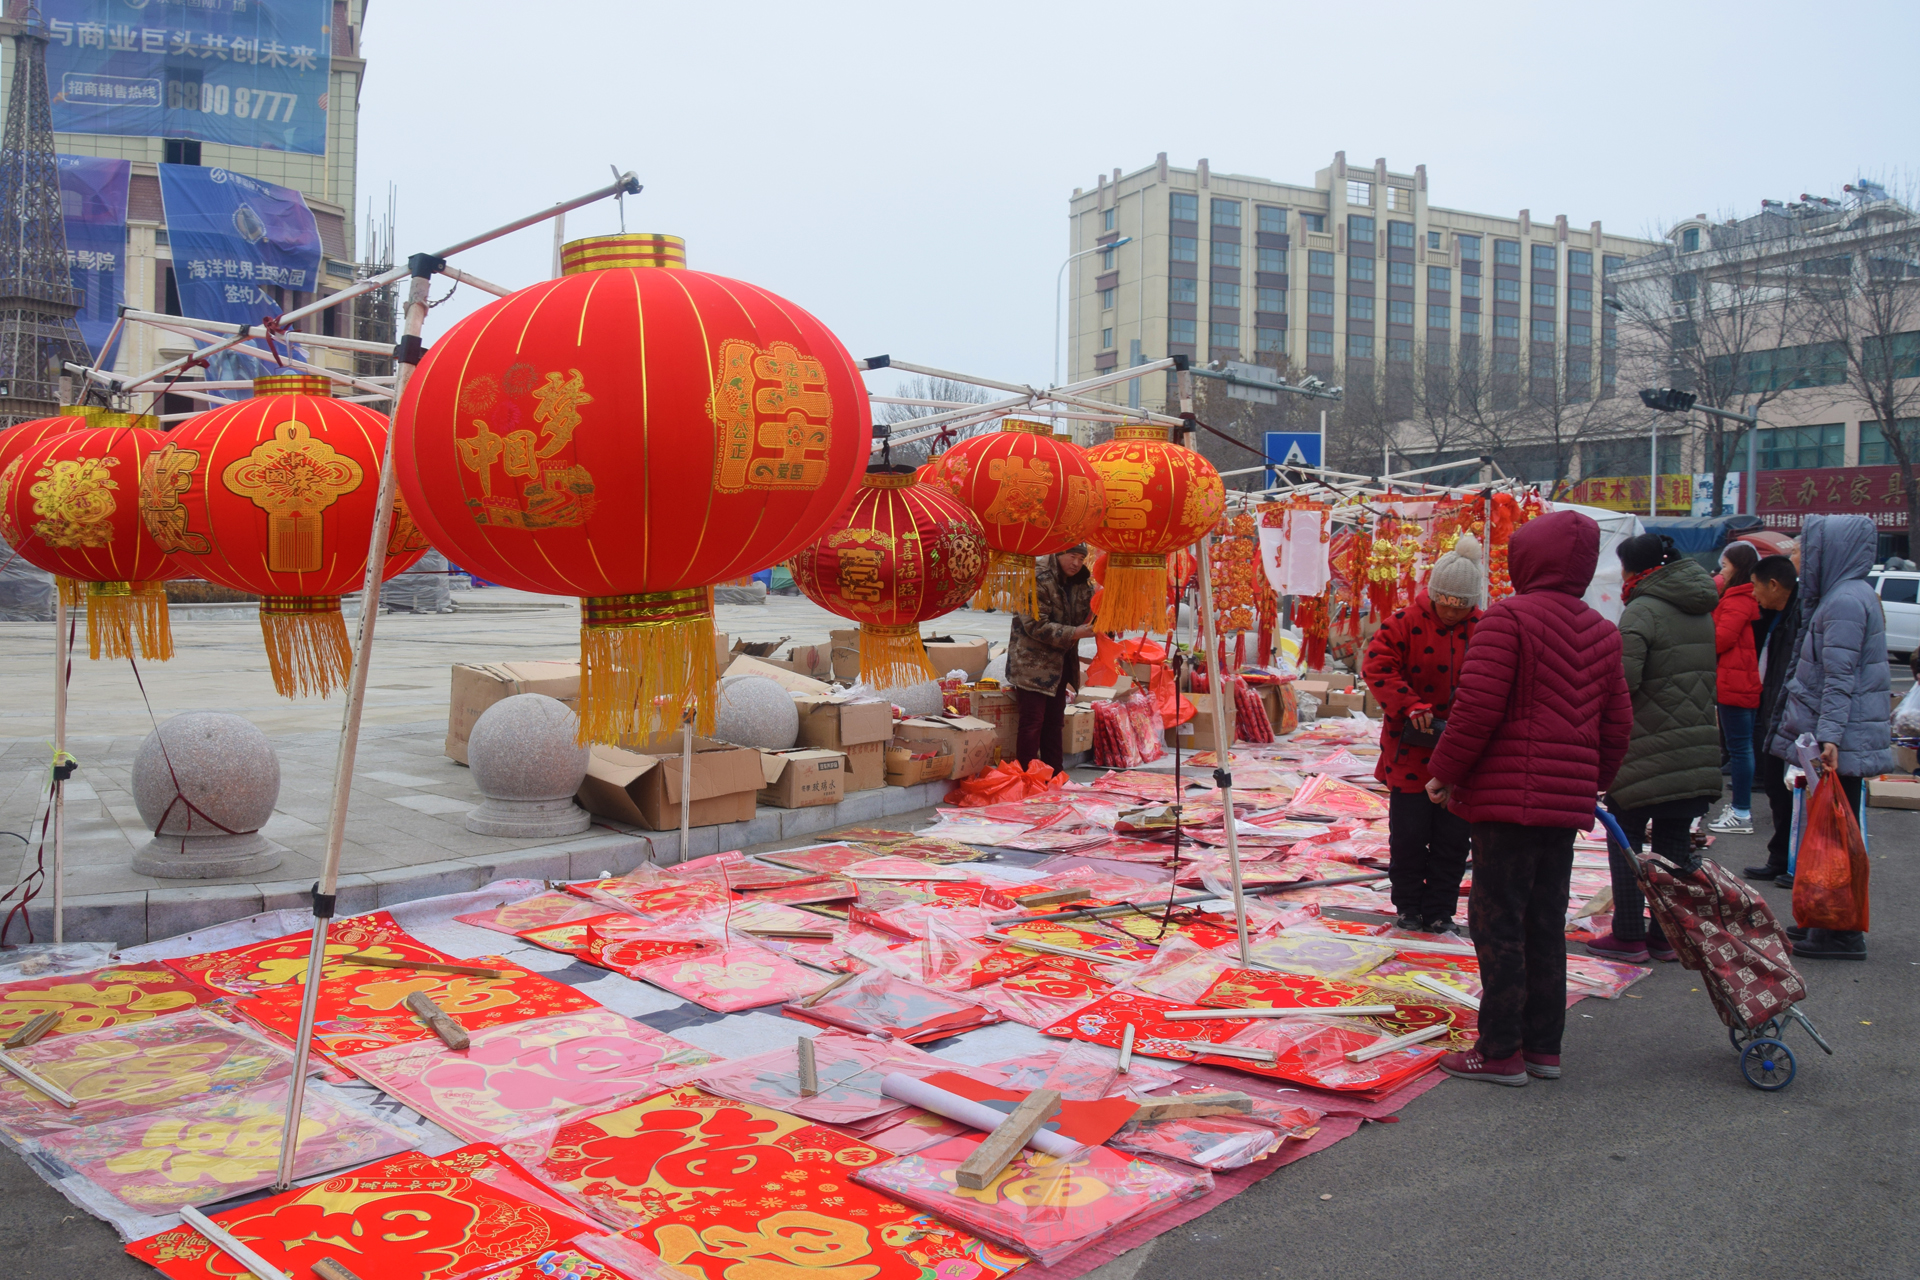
x=327, y=182
x=1353, y=271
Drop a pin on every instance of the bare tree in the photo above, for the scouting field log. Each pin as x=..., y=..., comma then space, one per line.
x=1862, y=295
x=901, y=416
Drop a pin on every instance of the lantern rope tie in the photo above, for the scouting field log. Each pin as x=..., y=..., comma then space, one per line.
x=645, y=661
x=307, y=646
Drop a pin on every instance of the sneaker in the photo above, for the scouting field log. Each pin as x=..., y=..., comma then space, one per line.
x=1542, y=1066
x=1829, y=944
x=1610, y=946
x=1659, y=949
x=1469, y=1065
x=1732, y=822
x=1764, y=873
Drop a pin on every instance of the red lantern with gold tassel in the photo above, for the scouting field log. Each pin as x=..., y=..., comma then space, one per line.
x=70, y=504
x=17, y=439
x=275, y=495
x=632, y=433
x=1160, y=499
x=1033, y=495
x=900, y=554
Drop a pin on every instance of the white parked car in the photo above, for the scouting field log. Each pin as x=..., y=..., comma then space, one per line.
x=1900, y=602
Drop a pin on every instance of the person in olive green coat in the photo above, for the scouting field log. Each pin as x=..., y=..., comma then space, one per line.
x=1672, y=771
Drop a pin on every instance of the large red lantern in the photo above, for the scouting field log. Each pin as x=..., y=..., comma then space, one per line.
x=70, y=504
x=900, y=553
x=1033, y=495
x=1160, y=499
x=632, y=433
x=275, y=495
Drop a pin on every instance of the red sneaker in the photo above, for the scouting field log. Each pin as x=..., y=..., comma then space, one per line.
x=1469, y=1065
x=1544, y=1066
x=1610, y=946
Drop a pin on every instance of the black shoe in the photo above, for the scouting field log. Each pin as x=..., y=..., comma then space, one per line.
x=1764, y=873
x=1829, y=944
x=1443, y=925
x=1411, y=923
x=1795, y=933
x=1784, y=880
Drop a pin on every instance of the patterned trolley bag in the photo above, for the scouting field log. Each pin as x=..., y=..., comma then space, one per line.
x=1724, y=931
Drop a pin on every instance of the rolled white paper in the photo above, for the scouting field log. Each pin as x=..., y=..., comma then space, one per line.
x=943, y=1102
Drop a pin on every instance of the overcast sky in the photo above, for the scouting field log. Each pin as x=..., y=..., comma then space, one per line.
x=903, y=170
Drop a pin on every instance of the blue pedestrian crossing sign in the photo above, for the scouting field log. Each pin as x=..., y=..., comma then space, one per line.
x=1293, y=448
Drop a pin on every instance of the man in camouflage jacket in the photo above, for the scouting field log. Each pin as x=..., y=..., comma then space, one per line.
x=1043, y=653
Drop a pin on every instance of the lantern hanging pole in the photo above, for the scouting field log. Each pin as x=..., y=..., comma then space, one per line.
x=407, y=356
x=222, y=328
x=1222, y=740
x=467, y=277
x=62, y=658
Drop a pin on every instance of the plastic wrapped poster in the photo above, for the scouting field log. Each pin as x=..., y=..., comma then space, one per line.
x=1208, y=1142
x=135, y=1069
x=1162, y=787
x=1313, y=1051
x=570, y=937
x=111, y=997
x=679, y=1149
x=1180, y=970
x=1325, y=797
x=1258, y=989
x=530, y=1072
x=1409, y=1016
x=826, y=859
x=1081, y=1072
x=729, y=978
x=878, y=1003
x=532, y=913
x=282, y=962
x=1045, y=1207
x=1104, y=947
x=1105, y=1020
x=216, y=1147
x=591, y=1257
x=365, y=1008
x=1588, y=975
x=849, y=1069
x=1043, y=995
x=455, y=1223
x=656, y=900
x=1321, y=954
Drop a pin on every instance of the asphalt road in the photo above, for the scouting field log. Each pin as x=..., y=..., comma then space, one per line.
x=1650, y=1158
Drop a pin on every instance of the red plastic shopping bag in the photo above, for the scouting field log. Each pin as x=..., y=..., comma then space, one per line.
x=1830, y=877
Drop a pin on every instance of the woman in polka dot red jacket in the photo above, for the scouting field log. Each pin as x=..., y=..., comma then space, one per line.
x=1412, y=664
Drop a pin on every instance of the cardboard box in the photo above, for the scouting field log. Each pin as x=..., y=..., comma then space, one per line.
x=1104, y=693
x=1890, y=792
x=803, y=778
x=1340, y=703
x=643, y=787
x=1270, y=696
x=912, y=761
x=478, y=685
x=843, y=648
x=1372, y=706
x=959, y=653
x=1197, y=733
x=778, y=672
x=837, y=725
x=970, y=740
x=1905, y=759
x=866, y=766
x=1001, y=709
x=815, y=660
x=1077, y=730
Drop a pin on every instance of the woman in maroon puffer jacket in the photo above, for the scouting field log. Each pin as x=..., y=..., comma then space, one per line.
x=1538, y=728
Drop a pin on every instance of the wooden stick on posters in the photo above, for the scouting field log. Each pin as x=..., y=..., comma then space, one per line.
x=1126, y=1047
x=1004, y=1143
x=1388, y=1045
x=807, y=1002
x=330, y=1269
x=438, y=1021
x=1441, y=987
x=1338, y=1011
x=425, y=966
x=809, y=1072
x=227, y=1244
x=33, y=1078
x=34, y=1029
x=1190, y=1106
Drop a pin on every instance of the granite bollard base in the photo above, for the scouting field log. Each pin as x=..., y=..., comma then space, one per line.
x=521, y=818
x=198, y=857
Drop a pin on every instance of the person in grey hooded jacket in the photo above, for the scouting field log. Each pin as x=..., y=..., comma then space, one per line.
x=1840, y=690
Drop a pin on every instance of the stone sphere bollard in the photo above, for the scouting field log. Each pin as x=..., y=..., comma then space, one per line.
x=528, y=766
x=206, y=796
x=756, y=712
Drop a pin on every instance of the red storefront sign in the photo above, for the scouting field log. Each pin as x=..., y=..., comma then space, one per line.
x=1788, y=496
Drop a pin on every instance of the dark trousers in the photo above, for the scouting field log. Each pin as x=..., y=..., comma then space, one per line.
x=1771, y=771
x=1517, y=910
x=1427, y=847
x=1042, y=717
x=1671, y=830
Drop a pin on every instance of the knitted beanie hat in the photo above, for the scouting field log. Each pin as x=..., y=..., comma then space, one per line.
x=1457, y=573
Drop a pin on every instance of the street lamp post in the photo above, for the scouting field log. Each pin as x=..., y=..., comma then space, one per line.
x=1059, y=280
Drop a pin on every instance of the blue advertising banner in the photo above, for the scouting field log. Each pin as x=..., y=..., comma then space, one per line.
x=93, y=204
x=240, y=248
x=249, y=73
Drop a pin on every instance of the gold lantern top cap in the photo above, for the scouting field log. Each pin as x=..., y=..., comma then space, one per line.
x=883, y=477
x=628, y=249
x=1141, y=431
x=101, y=416
x=1027, y=425
x=292, y=384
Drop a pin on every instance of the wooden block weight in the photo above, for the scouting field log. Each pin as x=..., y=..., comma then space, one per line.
x=1187, y=1106
x=438, y=1021
x=1005, y=1142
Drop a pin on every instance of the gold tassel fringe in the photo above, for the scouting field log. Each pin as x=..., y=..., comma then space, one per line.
x=645, y=661
x=1009, y=585
x=307, y=646
x=117, y=612
x=1134, y=597
x=73, y=592
x=891, y=657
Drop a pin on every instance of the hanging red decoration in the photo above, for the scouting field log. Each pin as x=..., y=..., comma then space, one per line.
x=1033, y=495
x=275, y=495
x=70, y=504
x=632, y=433
x=900, y=554
x=1159, y=499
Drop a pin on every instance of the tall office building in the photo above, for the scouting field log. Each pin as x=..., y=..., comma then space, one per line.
x=1349, y=273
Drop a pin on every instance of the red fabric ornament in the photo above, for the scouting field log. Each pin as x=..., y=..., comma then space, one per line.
x=275, y=495
x=632, y=433
x=1160, y=499
x=899, y=554
x=1033, y=495
x=70, y=504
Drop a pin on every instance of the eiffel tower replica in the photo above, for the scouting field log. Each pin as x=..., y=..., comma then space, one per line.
x=38, y=334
